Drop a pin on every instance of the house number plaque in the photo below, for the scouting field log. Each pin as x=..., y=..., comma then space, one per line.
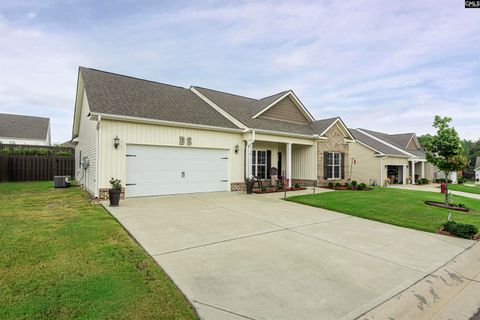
x=181, y=140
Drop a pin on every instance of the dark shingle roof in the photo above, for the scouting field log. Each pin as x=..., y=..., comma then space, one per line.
x=122, y=95
x=116, y=94
x=23, y=127
x=375, y=144
x=244, y=108
x=400, y=141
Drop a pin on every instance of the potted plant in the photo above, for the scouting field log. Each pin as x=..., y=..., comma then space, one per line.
x=249, y=183
x=114, y=192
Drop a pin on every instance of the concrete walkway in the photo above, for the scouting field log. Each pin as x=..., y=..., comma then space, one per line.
x=238, y=256
x=434, y=187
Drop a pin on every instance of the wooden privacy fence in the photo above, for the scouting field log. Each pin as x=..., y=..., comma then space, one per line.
x=32, y=168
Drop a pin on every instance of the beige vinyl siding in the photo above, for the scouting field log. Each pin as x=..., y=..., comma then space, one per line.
x=367, y=165
x=87, y=146
x=303, y=158
x=285, y=110
x=304, y=162
x=113, y=161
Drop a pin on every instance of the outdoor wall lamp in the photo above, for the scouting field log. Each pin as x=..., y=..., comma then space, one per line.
x=116, y=142
x=237, y=148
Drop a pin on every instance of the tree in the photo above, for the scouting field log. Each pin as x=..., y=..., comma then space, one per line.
x=445, y=149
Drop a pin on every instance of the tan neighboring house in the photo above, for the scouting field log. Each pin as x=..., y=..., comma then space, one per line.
x=163, y=139
x=28, y=130
x=380, y=158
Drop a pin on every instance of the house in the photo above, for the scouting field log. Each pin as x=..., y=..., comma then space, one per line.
x=164, y=139
x=380, y=158
x=19, y=129
x=477, y=170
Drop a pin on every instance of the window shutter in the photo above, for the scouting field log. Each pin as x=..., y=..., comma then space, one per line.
x=325, y=155
x=269, y=162
x=342, y=168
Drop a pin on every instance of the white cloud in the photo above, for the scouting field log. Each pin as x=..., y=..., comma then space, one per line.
x=385, y=65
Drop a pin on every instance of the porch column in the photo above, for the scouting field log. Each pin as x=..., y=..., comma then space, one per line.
x=413, y=172
x=404, y=174
x=289, y=164
x=422, y=173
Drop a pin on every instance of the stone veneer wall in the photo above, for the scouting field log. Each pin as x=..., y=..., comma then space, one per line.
x=237, y=186
x=103, y=194
x=303, y=182
x=334, y=143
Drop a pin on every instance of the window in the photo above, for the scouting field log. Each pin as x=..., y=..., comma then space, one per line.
x=333, y=165
x=259, y=164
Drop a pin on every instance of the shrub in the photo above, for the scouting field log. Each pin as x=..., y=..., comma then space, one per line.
x=349, y=186
x=362, y=186
x=337, y=184
x=461, y=180
x=264, y=189
x=354, y=183
x=63, y=154
x=330, y=184
x=296, y=185
x=423, y=181
x=461, y=230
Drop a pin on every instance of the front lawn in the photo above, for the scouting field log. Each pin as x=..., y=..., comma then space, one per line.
x=63, y=258
x=403, y=208
x=464, y=188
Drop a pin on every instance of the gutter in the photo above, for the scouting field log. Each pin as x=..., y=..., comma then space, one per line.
x=108, y=116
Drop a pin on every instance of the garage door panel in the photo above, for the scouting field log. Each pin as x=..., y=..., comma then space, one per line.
x=157, y=170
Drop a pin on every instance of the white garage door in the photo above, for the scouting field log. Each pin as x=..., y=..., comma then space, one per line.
x=154, y=170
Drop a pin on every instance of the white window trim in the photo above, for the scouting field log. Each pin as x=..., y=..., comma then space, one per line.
x=255, y=164
x=333, y=165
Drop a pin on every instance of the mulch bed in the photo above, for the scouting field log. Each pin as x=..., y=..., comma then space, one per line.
x=446, y=233
x=279, y=190
x=446, y=206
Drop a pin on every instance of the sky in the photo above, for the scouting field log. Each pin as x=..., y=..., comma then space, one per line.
x=382, y=65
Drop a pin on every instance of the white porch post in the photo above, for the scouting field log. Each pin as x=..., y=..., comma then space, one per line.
x=289, y=164
x=404, y=174
x=422, y=173
x=413, y=172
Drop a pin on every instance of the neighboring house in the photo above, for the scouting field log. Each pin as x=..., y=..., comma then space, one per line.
x=19, y=129
x=477, y=170
x=378, y=158
x=163, y=139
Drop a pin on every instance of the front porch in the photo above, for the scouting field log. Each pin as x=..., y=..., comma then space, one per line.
x=270, y=157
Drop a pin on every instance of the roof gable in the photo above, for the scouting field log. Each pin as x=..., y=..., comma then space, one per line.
x=284, y=107
x=24, y=127
x=285, y=110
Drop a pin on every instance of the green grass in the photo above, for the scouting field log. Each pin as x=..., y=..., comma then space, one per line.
x=464, y=188
x=403, y=208
x=63, y=258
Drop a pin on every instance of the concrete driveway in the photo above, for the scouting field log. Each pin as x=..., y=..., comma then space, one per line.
x=238, y=256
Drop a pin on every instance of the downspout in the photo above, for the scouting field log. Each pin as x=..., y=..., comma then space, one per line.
x=248, y=158
x=97, y=156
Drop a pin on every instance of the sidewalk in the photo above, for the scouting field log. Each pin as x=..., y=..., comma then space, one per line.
x=434, y=187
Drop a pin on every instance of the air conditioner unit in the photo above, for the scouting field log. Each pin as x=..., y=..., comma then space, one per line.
x=61, y=181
